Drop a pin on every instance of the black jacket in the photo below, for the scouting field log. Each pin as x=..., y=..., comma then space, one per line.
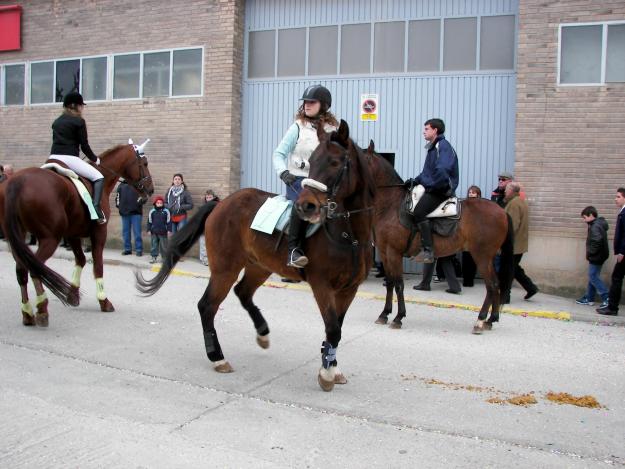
x=127, y=200
x=159, y=221
x=597, y=250
x=498, y=195
x=619, y=234
x=68, y=134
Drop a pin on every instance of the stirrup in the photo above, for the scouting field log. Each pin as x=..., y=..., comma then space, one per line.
x=297, y=259
x=101, y=217
x=425, y=256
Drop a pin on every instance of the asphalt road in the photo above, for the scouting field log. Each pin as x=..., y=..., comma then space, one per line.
x=134, y=388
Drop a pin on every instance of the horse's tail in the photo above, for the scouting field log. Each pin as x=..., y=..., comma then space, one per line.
x=177, y=246
x=58, y=285
x=506, y=266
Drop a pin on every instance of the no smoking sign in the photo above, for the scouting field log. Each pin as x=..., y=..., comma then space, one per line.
x=369, y=107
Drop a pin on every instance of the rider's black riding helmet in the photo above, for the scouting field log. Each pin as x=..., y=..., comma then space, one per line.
x=73, y=98
x=318, y=93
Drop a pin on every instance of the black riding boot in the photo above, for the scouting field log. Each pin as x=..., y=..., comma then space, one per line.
x=98, y=186
x=426, y=255
x=297, y=230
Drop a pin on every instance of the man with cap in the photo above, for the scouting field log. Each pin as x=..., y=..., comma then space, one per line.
x=498, y=195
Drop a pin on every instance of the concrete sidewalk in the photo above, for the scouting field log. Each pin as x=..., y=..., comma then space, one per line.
x=541, y=305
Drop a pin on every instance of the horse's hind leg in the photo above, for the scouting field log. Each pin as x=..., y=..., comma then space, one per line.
x=46, y=248
x=487, y=270
x=28, y=317
x=73, y=297
x=254, y=277
x=216, y=291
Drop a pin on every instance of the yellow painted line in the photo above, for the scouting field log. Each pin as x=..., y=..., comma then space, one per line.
x=561, y=315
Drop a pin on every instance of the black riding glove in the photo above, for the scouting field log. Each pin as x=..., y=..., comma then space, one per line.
x=287, y=177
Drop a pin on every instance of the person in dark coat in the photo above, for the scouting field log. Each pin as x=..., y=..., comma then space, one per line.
x=131, y=210
x=439, y=178
x=178, y=201
x=614, y=296
x=597, y=252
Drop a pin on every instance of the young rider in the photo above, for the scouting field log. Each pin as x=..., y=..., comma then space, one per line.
x=290, y=159
x=69, y=136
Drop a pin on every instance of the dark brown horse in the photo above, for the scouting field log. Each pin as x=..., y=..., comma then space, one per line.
x=483, y=230
x=338, y=262
x=48, y=205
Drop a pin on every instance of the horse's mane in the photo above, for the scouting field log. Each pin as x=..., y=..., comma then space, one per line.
x=386, y=167
x=111, y=150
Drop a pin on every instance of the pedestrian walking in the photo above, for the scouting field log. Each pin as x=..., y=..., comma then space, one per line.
x=597, y=252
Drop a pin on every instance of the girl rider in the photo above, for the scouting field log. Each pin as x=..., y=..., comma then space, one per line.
x=290, y=159
x=69, y=132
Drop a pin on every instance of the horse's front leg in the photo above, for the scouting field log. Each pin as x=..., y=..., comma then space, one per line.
x=97, y=249
x=333, y=317
x=388, y=303
x=401, y=303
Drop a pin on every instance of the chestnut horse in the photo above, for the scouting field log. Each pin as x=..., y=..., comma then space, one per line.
x=340, y=252
x=483, y=230
x=42, y=202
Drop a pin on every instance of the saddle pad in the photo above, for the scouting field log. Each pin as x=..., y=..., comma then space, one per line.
x=449, y=207
x=80, y=187
x=275, y=214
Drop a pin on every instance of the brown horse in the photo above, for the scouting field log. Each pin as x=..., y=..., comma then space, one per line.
x=341, y=251
x=483, y=230
x=48, y=205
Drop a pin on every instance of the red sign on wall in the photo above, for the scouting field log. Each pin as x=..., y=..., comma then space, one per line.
x=10, y=27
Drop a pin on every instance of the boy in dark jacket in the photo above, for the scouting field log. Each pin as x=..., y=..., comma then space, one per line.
x=597, y=252
x=159, y=224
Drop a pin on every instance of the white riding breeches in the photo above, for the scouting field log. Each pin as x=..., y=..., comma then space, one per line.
x=80, y=167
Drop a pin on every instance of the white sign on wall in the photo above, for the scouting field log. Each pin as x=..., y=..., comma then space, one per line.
x=369, y=107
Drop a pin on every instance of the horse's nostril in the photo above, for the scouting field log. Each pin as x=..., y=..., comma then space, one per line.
x=309, y=207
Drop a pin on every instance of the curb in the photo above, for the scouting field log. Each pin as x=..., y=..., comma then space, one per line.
x=560, y=315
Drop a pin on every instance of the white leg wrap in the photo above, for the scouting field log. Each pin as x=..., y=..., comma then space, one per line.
x=41, y=298
x=76, y=276
x=27, y=308
x=99, y=288
x=328, y=375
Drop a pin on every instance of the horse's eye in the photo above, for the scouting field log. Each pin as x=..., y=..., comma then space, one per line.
x=334, y=164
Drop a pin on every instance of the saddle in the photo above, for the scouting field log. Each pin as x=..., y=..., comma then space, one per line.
x=443, y=220
x=274, y=214
x=79, y=182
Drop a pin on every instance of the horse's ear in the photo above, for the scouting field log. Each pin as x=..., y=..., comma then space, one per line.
x=343, y=133
x=130, y=142
x=321, y=133
x=371, y=148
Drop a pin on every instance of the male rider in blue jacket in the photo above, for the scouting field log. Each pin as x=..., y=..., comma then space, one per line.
x=440, y=179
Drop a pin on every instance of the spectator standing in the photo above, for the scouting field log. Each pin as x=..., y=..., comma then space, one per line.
x=614, y=295
x=498, y=195
x=178, y=201
x=518, y=210
x=131, y=211
x=468, y=264
x=209, y=196
x=597, y=252
x=159, y=225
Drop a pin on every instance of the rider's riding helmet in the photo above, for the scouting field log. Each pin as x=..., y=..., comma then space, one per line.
x=318, y=93
x=74, y=98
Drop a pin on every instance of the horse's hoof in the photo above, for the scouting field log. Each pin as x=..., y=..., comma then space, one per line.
x=41, y=319
x=106, y=306
x=326, y=385
x=381, y=320
x=263, y=341
x=340, y=378
x=223, y=366
x=488, y=326
x=477, y=330
x=395, y=325
x=73, y=297
x=27, y=319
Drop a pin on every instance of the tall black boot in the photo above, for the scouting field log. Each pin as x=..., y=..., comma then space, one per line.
x=98, y=186
x=426, y=255
x=297, y=229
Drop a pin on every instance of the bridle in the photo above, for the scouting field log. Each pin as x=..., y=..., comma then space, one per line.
x=144, y=179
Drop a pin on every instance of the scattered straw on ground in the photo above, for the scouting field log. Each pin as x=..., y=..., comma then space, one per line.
x=566, y=398
x=522, y=400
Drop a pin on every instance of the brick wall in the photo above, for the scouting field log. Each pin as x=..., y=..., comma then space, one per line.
x=199, y=137
x=570, y=141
